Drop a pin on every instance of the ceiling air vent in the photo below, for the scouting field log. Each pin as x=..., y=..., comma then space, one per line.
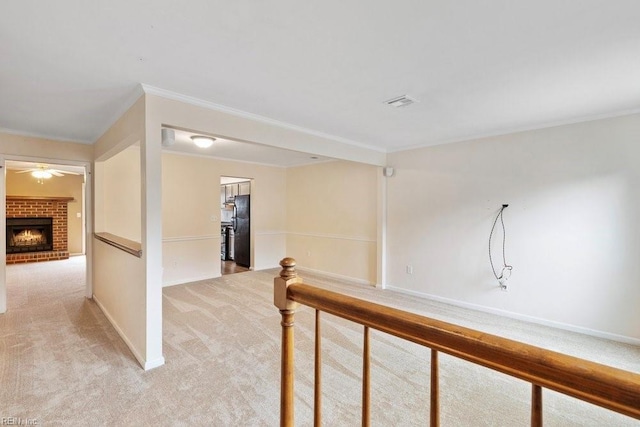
x=401, y=101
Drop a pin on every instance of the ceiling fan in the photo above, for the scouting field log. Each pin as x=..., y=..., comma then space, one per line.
x=42, y=171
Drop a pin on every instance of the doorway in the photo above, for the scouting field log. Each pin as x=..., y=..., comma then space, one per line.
x=235, y=224
x=55, y=192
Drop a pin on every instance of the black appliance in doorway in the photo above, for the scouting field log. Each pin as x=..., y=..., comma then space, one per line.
x=227, y=242
x=241, y=227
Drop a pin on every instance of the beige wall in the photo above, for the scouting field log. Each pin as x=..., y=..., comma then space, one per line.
x=323, y=215
x=23, y=184
x=117, y=284
x=121, y=283
x=26, y=147
x=119, y=180
x=270, y=241
x=332, y=218
x=191, y=215
x=573, y=235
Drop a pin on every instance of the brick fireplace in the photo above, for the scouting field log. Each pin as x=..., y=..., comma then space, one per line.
x=34, y=210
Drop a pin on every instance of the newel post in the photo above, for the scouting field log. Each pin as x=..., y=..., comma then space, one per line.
x=288, y=276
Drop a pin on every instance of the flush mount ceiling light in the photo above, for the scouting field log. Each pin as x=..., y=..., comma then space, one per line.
x=202, y=141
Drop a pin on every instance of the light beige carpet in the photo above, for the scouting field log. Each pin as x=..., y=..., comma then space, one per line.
x=62, y=363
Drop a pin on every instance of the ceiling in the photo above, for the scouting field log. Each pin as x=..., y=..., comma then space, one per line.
x=69, y=67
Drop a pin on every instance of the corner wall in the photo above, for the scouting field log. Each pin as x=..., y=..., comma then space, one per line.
x=127, y=293
x=332, y=218
x=573, y=235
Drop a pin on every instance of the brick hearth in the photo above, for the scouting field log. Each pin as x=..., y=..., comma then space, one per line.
x=41, y=207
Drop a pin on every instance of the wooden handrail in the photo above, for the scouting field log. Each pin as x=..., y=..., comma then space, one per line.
x=129, y=246
x=602, y=385
x=592, y=382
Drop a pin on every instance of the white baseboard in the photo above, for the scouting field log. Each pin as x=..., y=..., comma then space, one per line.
x=155, y=363
x=187, y=280
x=335, y=276
x=531, y=319
x=146, y=365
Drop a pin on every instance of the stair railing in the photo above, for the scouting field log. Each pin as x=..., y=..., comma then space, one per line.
x=601, y=385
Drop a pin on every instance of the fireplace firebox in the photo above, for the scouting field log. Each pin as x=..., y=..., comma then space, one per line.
x=29, y=235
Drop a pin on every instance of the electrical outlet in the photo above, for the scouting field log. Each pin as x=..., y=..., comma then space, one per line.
x=409, y=269
x=308, y=253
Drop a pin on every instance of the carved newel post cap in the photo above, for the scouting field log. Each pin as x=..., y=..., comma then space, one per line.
x=288, y=268
x=288, y=276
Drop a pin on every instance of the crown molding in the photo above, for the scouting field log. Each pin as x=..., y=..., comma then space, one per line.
x=520, y=129
x=151, y=90
x=42, y=136
x=131, y=99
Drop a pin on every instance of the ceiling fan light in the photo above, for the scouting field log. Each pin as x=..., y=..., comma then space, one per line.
x=41, y=174
x=202, y=141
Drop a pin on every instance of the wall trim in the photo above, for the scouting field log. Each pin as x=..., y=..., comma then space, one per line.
x=520, y=129
x=146, y=365
x=333, y=236
x=190, y=238
x=43, y=136
x=215, y=236
x=151, y=364
x=269, y=233
x=183, y=281
x=523, y=317
x=335, y=275
x=128, y=102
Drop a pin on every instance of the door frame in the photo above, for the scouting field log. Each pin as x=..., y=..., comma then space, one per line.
x=87, y=220
x=223, y=177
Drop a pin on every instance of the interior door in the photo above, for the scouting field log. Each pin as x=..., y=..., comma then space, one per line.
x=242, y=241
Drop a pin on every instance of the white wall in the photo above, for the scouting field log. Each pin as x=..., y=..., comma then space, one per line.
x=332, y=218
x=191, y=215
x=573, y=235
